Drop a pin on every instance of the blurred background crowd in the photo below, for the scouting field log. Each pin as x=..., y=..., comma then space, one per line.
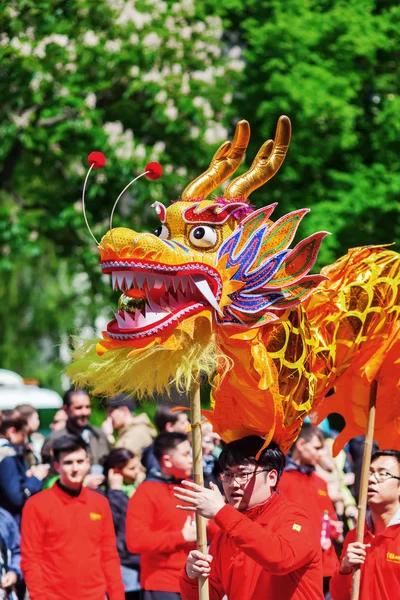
x=121, y=458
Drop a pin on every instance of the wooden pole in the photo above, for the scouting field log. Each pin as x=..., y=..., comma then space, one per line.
x=195, y=414
x=362, y=503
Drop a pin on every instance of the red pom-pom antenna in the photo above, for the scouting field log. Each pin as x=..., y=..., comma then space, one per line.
x=154, y=170
x=97, y=160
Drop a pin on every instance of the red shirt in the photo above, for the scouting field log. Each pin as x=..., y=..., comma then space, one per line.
x=270, y=551
x=380, y=574
x=68, y=547
x=311, y=492
x=154, y=530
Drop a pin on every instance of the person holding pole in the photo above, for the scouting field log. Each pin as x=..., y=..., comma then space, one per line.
x=155, y=528
x=378, y=556
x=267, y=546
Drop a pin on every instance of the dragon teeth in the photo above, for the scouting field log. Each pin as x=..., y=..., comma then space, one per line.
x=175, y=282
x=206, y=291
x=158, y=283
x=128, y=280
x=185, y=283
x=181, y=298
x=139, y=280
x=172, y=302
x=129, y=322
x=121, y=279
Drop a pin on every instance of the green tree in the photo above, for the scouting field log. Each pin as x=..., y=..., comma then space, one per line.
x=152, y=80
x=333, y=67
x=138, y=80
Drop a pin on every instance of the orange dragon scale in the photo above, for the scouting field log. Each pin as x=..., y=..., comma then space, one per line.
x=219, y=289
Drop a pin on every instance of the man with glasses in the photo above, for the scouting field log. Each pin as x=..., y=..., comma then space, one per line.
x=266, y=546
x=379, y=555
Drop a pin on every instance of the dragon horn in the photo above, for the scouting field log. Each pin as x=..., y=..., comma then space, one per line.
x=267, y=162
x=224, y=163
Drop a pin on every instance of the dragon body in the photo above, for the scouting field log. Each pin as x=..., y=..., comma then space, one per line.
x=219, y=290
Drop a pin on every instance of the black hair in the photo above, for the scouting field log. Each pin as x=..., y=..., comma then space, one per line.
x=167, y=441
x=244, y=451
x=69, y=393
x=308, y=431
x=393, y=453
x=66, y=444
x=165, y=415
x=117, y=458
x=120, y=401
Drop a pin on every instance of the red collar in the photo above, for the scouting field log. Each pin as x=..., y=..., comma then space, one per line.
x=253, y=512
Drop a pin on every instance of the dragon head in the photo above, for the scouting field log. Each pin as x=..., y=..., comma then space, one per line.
x=211, y=263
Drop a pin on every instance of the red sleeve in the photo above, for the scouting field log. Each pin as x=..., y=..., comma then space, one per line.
x=340, y=585
x=141, y=532
x=190, y=587
x=212, y=530
x=109, y=557
x=32, y=544
x=289, y=547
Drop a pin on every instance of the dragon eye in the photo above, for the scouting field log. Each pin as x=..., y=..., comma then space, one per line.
x=203, y=236
x=162, y=232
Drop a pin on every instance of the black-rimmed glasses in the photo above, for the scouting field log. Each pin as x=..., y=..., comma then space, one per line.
x=241, y=476
x=382, y=476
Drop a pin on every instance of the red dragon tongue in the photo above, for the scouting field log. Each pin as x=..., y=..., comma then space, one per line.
x=137, y=294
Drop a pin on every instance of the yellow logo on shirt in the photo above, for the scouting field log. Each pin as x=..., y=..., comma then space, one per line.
x=296, y=527
x=95, y=516
x=393, y=558
x=322, y=493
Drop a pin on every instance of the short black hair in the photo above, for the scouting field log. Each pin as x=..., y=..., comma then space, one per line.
x=245, y=450
x=308, y=431
x=66, y=444
x=167, y=441
x=120, y=401
x=165, y=415
x=393, y=453
x=69, y=393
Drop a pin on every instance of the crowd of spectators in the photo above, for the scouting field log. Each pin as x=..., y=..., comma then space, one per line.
x=96, y=506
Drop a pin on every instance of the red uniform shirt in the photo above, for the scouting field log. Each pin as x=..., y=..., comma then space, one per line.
x=311, y=492
x=68, y=547
x=270, y=551
x=154, y=530
x=380, y=574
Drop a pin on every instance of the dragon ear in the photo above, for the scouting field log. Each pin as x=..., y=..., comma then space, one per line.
x=280, y=235
x=257, y=218
x=298, y=261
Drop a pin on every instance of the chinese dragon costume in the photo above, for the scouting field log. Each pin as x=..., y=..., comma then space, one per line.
x=218, y=290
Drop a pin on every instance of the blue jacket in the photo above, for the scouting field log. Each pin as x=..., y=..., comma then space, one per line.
x=10, y=534
x=119, y=505
x=15, y=486
x=10, y=541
